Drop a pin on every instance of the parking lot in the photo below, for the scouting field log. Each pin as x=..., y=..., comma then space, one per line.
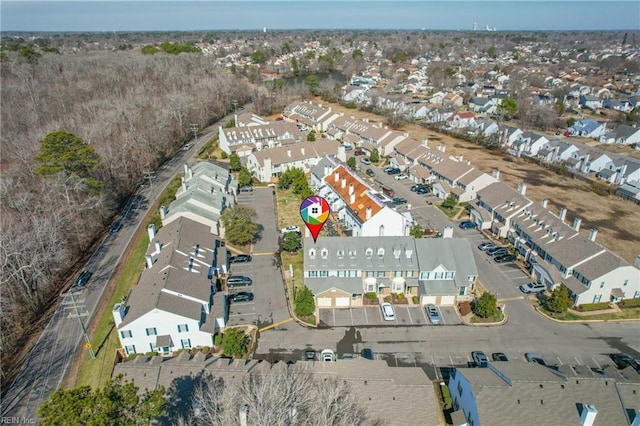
x=372, y=315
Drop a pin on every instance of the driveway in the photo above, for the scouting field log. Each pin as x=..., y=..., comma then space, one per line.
x=406, y=315
x=269, y=304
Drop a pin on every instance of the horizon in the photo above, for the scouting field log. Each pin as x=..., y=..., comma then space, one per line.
x=358, y=15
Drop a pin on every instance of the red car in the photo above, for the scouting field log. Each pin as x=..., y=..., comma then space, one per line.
x=359, y=152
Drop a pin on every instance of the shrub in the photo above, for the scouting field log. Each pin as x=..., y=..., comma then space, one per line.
x=630, y=303
x=205, y=349
x=559, y=300
x=371, y=295
x=593, y=306
x=235, y=342
x=399, y=296
x=464, y=308
x=305, y=304
x=446, y=396
x=486, y=305
x=217, y=339
x=131, y=357
x=224, y=155
x=151, y=354
x=416, y=300
x=387, y=299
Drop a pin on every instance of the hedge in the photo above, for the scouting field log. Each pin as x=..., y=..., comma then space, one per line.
x=631, y=303
x=586, y=307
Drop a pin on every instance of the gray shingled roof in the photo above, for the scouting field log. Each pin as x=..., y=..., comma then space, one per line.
x=289, y=154
x=497, y=194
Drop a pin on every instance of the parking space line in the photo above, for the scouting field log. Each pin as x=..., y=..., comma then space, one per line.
x=351, y=313
x=559, y=360
x=435, y=369
x=424, y=314
x=594, y=360
x=451, y=359
x=577, y=360
x=409, y=313
x=242, y=314
x=366, y=318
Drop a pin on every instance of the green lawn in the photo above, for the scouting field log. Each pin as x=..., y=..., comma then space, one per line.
x=450, y=212
x=96, y=372
x=632, y=313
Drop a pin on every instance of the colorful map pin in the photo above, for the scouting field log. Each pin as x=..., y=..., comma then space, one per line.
x=315, y=212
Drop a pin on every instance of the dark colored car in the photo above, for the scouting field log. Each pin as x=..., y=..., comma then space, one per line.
x=422, y=190
x=243, y=296
x=388, y=169
x=499, y=356
x=370, y=173
x=396, y=201
x=480, y=359
x=240, y=258
x=534, y=357
x=358, y=152
x=238, y=281
x=467, y=225
x=116, y=227
x=310, y=355
x=504, y=259
x=497, y=250
x=366, y=353
x=393, y=172
x=623, y=361
x=388, y=192
x=83, y=278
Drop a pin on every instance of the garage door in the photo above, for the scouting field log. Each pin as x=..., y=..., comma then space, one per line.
x=324, y=302
x=342, y=302
x=428, y=299
x=447, y=300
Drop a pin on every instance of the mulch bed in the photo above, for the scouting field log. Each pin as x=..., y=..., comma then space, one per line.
x=370, y=302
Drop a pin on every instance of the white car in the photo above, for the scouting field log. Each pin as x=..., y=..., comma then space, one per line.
x=365, y=160
x=533, y=288
x=401, y=176
x=387, y=312
x=327, y=355
x=292, y=228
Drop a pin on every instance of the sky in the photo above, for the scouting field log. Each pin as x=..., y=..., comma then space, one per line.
x=158, y=15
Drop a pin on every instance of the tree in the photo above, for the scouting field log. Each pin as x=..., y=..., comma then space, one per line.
x=235, y=342
x=239, y=227
x=291, y=241
x=492, y=52
x=258, y=57
x=351, y=162
x=244, y=177
x=559, y=300
x=508, y=108
x=486, y=305
x=416, y=231
x=118, y=403
x=234, y=162
x=311, y=136
x=516, y=54
x=65, y=153
x=304, y=302
x=449, y=202
x=375, y=156
x=294, y=66
x=312, y=84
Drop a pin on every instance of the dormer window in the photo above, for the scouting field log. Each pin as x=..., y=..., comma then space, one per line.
x=408, y=253
x=312, y=253
x=340, y=254
x=324, y=253
x=396, y=253
x=369, y=253
x=352, y=254
x=380, y=253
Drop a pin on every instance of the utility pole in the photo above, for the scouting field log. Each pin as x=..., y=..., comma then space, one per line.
x=75, y=305
x=150, y=175
x=194, y=128
x=235, y=105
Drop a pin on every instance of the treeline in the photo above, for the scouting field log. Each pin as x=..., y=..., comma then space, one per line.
x=133, y=110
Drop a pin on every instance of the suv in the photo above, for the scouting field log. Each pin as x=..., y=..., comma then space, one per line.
x=240, y=258
x=467, y=225
x=533, y=288
x=238, y=281
x=83, y=278
x=623, y=361
x=327, y=355
x=480, y=359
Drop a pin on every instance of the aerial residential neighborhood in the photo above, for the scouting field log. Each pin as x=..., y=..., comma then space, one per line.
x=215, y=221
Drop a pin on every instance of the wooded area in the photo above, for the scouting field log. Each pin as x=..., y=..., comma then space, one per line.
x=133, y=110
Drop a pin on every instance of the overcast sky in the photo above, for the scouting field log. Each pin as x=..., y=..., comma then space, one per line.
x=157, y=15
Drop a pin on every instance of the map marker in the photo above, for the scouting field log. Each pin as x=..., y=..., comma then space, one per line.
x=314, y=211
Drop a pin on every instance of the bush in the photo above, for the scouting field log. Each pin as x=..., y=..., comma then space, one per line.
x=464, y=308
x=630, y=303
x=446, y=397
x=586, y=307
x=416, y=300
x=486, y=305
x=559, y=300
x=205, y=349
x=151, y=354
x=224, y=155
x=235, y=342
x=387, y=299
x=399, y=296
x=305, y=304
x=131, y=357
x=373, y=295
x=217, y=339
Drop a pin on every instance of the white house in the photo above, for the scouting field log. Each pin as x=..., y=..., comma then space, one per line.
x=588, y=128
x=496, y=205
x=528, y=144
x=314, y=116
x=174, y=306
x=244, y=140
x=461, y=120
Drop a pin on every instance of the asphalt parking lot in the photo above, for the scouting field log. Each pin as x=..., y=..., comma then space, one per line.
x=372, y=316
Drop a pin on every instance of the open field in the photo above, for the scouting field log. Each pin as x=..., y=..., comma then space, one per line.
x=617, y=221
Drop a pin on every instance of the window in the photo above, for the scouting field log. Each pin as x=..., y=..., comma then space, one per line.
x=409, y=274
x=397, y=287
x=381, y=231
x=439, y=275
x=323, y=274
x=126, y=334
x=380, y=253
x=352, y=254
x=312, y=274
x=368, y=274
x=449, y=275
x=324, y=253
x=602, y=284
x=340, y=254
x=625, y=283
x=397, y=273
x=369, y=253
x=371, y=288
x=151, y=331
x=186, y=343
x=183, y=328
x=130, y=349
x=312, y=253
x=380, y=274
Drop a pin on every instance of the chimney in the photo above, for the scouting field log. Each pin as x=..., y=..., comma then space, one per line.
x=576, y=224
x=327, y=170
x=543, y=202
x=496, y=174
x=563, y=214
x=588, y=414
x=149, y=261
x=343, y=183
x=425, y=143
x=190, y=173
x=367, y=215
x=336, y=176
x=244, y=415
x=592, y=234
x=350, y=189
x=460, y=157
x=405, y=134
x=522, y=188
x=289, y=153
x=163, y=212
x=352, y=198
x=186, y=169
x=151, y=229
x=447, y=232
x=118, y=313
x=158, y=246
x=302, y=150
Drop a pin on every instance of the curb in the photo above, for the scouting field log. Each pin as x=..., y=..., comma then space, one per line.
x=539, y=311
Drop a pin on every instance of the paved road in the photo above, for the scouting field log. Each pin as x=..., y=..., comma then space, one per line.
x=45, y=366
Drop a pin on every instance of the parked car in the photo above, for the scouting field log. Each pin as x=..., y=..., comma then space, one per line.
x=310, y=355
x=480, y=359
x=240, y=258
x=327, y=355
x=366, y=353
x=238, y=281
x=393, y=171
x=501, y=252
x=467, y=225
x=624, y=360
x=486, y=245
x=533, y=288
x=496, y=250
x=246, y=188
x=396, y=201
x=116, y=227
x=388, y=192
x=499, y=356
x=365, y=161
x=534, y=357
x=433, y=314
x=348, y=356
x=359, y=152
x=505, y=258
x=422, y=190
x=401, y=176
x=292, y=228
x=389, y=169
x=370, y=173
x=242, y=296
x=83, y=278
x=187, y=147
x=348, y=147
x=387, y=312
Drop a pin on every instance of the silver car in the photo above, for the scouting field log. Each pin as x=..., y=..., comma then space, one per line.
x=387, y=312
x=433, y=314
x=533, y=288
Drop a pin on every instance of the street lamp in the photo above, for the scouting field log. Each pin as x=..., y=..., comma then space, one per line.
x=194, y=128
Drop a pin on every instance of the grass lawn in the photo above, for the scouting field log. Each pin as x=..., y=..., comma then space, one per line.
x=96, y=372
x=450, y=212
x=632, y=313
